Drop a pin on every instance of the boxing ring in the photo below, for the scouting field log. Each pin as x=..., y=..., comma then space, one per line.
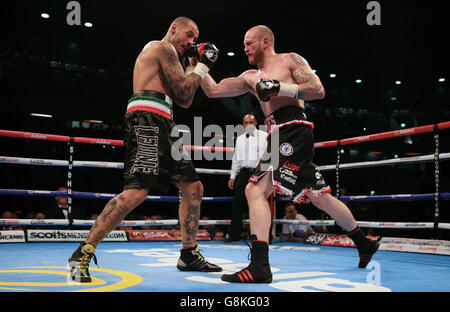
x=34, y=259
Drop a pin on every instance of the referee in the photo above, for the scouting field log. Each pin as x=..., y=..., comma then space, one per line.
x=248, y=150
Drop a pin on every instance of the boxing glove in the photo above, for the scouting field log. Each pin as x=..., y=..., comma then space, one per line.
x=207, y=56
x=267, y=89
x=192, y=51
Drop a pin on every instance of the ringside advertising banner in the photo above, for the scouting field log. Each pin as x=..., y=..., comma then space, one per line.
x=12, y=236
x=440, y=247
x=163, y=235
x=333, y=240
x=71, y=236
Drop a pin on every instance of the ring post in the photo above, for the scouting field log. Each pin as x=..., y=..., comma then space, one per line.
x=69, y=180
x=338, y=160
x=436, y=180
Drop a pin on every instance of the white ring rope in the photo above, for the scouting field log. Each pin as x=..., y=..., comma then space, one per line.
x=386, y=162
x=85, y=163
x=169, y=222
x=119, y=165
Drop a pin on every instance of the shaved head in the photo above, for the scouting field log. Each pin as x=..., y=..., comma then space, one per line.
x=182, y=33
x=258, y=41
x=261, y=31
x=183, y=21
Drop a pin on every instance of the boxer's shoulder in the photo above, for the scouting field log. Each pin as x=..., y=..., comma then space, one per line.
x=155, y=49
x=296, y=59
x=150, y=44
x=159, y=47
x=162, y=50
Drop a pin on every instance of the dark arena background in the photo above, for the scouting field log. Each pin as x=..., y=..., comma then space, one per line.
x=385, y=116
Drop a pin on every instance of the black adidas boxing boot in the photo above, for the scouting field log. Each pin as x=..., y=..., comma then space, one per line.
x=366, y=246
x=258, y=271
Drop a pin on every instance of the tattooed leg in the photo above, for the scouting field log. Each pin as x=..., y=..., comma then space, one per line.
x=114, y=212
x=190, y=212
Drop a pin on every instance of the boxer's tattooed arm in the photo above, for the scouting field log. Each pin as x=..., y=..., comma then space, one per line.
x=298, y=60
x=309, y=85
x=183, y=87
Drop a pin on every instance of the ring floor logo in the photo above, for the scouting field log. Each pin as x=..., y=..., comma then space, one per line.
x=56, y=278
x=292, y=279
x=295, y=269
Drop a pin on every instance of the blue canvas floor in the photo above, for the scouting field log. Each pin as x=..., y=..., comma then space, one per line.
x=151, y=267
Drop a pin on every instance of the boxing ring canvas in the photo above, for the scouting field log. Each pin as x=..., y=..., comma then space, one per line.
x=151, y=267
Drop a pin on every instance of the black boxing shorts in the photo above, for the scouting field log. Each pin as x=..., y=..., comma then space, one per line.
x=148, y=144
x=294, y=175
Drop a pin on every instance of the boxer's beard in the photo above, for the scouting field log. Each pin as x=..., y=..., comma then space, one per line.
x=255, y=57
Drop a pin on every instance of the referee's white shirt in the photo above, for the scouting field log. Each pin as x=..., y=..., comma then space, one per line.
x=249, y=148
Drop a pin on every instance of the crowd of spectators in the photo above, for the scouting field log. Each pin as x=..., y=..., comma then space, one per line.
x=24, y=74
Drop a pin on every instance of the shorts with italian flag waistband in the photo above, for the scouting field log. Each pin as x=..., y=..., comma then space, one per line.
x=149, y=160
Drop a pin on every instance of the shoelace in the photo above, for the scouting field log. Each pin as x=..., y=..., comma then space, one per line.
x=249, y=245
x=200, y=256
x=86, y=259
x=240, y=272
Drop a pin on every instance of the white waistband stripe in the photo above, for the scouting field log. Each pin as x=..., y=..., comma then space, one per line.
x=148, y=103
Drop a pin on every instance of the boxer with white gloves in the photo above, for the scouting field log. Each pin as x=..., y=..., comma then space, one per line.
x=282, y=82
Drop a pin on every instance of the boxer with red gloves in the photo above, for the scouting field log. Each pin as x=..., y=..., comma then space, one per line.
x=159, y=81
x=205, y=54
